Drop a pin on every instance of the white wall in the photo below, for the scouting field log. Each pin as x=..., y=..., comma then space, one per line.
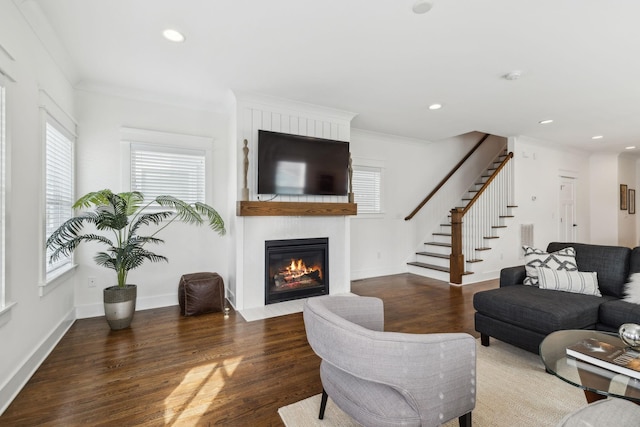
x=380, y=242
x=626, y=221
x=539, y=166
x=30, y=329
x=604, y=198
x=98, y=165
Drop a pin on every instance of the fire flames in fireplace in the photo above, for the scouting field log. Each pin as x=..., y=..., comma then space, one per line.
x=296, y=268
x=296, y=274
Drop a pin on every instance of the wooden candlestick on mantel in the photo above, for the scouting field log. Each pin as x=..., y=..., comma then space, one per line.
x=351, y=195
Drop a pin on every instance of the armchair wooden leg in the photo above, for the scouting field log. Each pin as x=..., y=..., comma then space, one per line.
x=484, y=340
x=323, y=405
x=465, y=420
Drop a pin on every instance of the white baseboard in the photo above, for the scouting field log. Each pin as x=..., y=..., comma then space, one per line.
x=158, y=301
x=480, y=277
x=23, y=373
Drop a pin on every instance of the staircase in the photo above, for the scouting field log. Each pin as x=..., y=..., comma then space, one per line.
x=482, y=224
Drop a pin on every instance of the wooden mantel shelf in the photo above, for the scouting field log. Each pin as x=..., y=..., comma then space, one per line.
x=251, y=208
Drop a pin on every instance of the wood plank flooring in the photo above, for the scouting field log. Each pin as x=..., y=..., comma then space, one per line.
x=169, y=370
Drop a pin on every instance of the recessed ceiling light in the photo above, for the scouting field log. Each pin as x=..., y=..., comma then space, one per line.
x=597, y=137
x=435, y=106
x=545, y=122
x=631, y=147
x=173, y=35
x=513, y=75
x=421, y=6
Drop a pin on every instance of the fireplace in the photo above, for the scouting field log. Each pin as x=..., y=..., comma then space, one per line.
x=296, y=268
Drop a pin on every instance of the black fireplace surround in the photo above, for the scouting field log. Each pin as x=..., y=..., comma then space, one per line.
x=296, y=268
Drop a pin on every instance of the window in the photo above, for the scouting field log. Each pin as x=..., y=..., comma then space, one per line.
x=161, y=170
x=3, y=133
x=58, y=187
x=366, y=186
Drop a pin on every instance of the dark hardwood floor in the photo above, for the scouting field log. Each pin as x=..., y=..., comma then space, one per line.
x=171, y=370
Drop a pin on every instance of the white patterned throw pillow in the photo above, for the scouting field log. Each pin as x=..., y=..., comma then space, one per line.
x=632, y=289
x=564, y=259
x=577, y=282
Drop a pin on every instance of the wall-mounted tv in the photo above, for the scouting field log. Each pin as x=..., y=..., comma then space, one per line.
x=298, y=165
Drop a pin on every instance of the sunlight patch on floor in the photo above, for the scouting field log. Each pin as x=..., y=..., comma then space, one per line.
x=191, y=399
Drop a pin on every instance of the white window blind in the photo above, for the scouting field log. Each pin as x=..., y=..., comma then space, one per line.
x=366, y=186
x=160, y=170
x=59, y=184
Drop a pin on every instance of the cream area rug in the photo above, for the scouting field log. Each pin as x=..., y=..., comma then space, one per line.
x=512, y=386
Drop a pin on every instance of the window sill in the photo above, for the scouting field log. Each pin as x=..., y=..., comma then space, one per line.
x=5, y=312
x=377, y=215
x=56, y=278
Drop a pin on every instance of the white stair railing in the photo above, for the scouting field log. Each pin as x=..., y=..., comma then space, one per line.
x=474, y=224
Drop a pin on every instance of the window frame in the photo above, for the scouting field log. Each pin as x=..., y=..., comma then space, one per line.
x=166, y=141
x=368, y=165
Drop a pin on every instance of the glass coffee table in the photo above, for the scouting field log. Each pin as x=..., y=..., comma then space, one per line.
x=597, y=383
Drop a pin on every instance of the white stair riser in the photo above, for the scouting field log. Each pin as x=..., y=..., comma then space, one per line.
x=442, y=262
x=438, y=249
x=441, y=239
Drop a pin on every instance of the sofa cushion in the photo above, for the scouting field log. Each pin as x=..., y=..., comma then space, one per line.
x=539, y=310
x=564, y=259
x=610, y=262
x=579, y=282
x=616, y=312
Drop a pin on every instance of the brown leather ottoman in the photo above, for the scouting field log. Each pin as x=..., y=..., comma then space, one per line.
x=200, y=293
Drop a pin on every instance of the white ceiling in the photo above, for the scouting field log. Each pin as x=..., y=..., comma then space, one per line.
x=580, y=60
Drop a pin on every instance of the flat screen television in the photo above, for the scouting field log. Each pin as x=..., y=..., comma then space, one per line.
x=301, y=165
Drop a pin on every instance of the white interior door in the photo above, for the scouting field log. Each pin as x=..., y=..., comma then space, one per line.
x=567, y=217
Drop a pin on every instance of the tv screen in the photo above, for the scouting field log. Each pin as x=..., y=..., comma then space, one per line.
x=298, y=165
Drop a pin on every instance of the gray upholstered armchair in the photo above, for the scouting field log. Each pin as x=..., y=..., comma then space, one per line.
x=388, y=378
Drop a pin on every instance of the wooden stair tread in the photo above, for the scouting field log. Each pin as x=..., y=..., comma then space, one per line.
x=474, y=260
x=446, y=245
x=429, y=266
x=434, y=254
x=491, y=237
x=483, y=249
x=442, y=234
x=498, y=226
x=435, y=267
x=507, y=216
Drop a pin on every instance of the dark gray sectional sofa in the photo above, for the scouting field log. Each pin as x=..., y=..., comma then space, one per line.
x=524, y=315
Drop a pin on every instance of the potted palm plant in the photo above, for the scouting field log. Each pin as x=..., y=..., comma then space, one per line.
x=124, y=216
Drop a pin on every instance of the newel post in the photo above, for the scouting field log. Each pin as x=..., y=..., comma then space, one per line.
x=456, y=262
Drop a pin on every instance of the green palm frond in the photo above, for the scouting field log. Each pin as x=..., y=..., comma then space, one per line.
x=95, y=198
x=150, y=218
x=124, y=214
x=141, y=240
x=184, y=211
x=216, y=223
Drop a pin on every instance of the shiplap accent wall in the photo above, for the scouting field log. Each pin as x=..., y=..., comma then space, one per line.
x=255, y=113
x=254, y=117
